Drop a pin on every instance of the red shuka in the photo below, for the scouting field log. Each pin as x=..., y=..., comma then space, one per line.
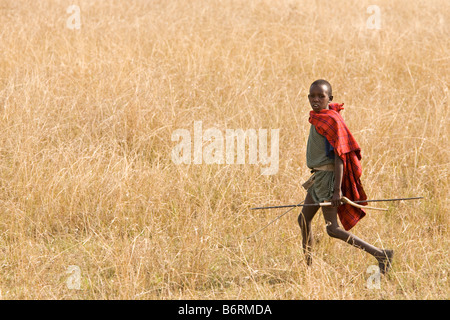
x=329, y=123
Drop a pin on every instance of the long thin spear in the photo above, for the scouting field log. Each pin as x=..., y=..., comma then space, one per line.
x=327, y=203
x=301, y=204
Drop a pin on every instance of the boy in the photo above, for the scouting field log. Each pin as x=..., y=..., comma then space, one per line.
x=333, y=156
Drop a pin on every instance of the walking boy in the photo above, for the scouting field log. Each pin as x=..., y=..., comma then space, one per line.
x=333, y=155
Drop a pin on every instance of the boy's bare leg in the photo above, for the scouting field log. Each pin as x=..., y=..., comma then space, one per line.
x=384, y=257
x=304, y=221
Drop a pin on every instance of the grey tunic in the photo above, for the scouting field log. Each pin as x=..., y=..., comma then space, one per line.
x=323, y=187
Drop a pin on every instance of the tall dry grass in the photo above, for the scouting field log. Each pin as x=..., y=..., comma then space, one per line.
x=86, y=118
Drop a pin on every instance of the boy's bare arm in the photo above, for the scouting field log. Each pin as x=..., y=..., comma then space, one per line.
x=338, y=173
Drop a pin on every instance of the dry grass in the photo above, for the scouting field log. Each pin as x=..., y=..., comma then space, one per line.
x=86, y=118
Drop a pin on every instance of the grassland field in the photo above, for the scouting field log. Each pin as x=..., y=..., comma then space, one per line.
x=92, y=205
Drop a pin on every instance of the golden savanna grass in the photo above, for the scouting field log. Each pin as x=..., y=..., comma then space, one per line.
x=87, y=116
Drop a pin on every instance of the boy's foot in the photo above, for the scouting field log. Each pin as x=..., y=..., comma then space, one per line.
x=308, y=259
x=385, y=261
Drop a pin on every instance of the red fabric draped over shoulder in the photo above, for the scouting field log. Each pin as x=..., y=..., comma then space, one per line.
x=329, y=123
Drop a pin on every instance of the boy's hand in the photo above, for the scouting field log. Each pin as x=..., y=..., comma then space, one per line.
x=336, y=200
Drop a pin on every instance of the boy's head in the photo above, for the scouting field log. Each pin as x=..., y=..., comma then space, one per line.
x=320, y=95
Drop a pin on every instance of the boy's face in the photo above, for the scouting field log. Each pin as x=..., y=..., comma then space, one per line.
x=319, y=97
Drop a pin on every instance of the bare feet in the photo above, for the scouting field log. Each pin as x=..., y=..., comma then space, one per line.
x=308, y=259
x=385, y=261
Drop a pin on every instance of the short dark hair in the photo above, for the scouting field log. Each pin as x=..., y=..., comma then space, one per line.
x=322, y=82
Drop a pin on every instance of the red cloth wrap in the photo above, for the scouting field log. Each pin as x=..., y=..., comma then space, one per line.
x=329, y=123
